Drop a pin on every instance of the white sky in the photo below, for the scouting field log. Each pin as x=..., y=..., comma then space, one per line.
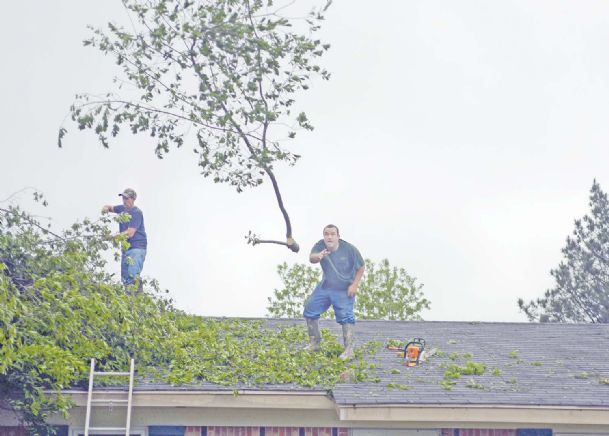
x=458, y=139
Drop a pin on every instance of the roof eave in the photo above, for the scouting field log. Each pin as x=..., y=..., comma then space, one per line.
x=425, y=415
x=515, y=415
x=217, y=399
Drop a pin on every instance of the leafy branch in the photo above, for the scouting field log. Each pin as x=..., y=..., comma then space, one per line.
x=222, y=75
x=67, y=310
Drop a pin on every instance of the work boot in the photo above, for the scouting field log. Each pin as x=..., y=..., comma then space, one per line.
x=314, y=334
x=348, y=339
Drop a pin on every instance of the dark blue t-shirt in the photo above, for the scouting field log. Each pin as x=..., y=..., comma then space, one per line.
x=138, y=240
x=339, y=267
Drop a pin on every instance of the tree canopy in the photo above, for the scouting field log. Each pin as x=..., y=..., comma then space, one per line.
x=59, y=307
x=581, y=292
x=220, y=75
x=385, y=292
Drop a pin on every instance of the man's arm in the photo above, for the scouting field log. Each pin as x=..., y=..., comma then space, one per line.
x=317, y=257
x=129, y=232
x=134, y=223
x=352, y=290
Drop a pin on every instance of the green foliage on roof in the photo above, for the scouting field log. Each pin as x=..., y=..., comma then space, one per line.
x=454, y=371
x=400, y=386
x=59, y=308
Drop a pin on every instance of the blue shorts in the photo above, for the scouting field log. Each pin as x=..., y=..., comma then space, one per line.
x=132, y=263
x=321, y=299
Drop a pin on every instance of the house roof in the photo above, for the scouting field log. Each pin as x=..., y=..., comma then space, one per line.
x=526, y=364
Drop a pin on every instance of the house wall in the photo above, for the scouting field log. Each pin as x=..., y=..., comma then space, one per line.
x=8, y=418
x=12, y=431
x=258, y=417
x=78, y=430
x=209, y=421
x=206, y=416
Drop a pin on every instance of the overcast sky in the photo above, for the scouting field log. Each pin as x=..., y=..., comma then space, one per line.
x=458, y=139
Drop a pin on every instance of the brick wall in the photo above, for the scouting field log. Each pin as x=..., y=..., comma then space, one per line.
x=266, y=431
x=60, y=430
x=477, y=432
x=12, y=431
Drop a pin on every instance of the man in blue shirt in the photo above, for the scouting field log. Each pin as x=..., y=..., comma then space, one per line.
x=343, y=268
x=132, y=260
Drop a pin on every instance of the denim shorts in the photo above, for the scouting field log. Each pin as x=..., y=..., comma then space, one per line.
x=321, y=299
x=132, y=263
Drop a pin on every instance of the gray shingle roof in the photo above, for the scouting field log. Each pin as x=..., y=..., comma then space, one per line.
x=526, y=364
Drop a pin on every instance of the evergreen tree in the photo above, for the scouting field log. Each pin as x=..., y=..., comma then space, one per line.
x=581, y=293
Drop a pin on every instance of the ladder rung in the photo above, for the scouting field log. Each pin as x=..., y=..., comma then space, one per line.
x=107, y=428
x=123, y=374
x=109, y=401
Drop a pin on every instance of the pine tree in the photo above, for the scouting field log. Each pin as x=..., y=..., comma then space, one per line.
x=581, y=293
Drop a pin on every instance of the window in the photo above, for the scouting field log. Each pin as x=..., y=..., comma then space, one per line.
x=135, y=431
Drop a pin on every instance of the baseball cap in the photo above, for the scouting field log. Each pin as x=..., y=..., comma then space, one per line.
x=129, y=193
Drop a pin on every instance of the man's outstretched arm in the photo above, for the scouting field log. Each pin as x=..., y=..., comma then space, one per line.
x=317, y=257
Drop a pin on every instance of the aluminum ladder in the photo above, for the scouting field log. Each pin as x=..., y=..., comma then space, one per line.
x=109, y=401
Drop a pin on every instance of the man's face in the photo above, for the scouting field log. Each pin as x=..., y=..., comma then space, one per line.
x=127, y=201
x=331, y=238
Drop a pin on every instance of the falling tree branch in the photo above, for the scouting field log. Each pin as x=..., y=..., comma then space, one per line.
x=162, y=112
x=270, y=241
x=290, y=242
x=249, y=67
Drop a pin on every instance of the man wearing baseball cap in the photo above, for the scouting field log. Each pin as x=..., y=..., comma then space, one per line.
x=132, y=260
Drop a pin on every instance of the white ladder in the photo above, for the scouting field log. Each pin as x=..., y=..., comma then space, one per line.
x=91, y=400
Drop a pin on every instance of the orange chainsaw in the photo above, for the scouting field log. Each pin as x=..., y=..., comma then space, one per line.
x=411, y=352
